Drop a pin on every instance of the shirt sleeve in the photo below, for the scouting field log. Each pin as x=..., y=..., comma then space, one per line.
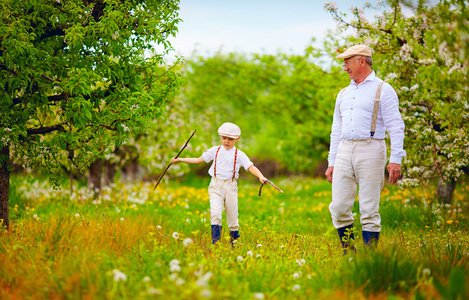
x=393, y=122
x=244, y=160
x=336, y=130
x=209, y=155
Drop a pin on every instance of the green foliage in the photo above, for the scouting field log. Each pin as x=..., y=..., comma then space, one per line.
x=75, y=77
x=424, y=57
x=282, y=103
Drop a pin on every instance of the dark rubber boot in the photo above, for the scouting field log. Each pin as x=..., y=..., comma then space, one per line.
x=347, y=238
x=216, y=233
x=234, y=235
x=370, y=238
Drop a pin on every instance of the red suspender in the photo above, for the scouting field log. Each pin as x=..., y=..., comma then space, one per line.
x=234, y=167
x=215, y=169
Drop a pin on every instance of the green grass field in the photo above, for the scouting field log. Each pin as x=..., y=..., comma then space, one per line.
x=133, y=243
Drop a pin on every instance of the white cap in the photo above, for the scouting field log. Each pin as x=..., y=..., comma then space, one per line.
x=362, y=50
x=230, y=130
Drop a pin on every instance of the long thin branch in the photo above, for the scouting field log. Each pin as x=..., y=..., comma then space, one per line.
x=48, y=129
x=159, y=179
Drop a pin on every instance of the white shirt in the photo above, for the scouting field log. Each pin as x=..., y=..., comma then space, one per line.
x=354, y=111
x=225, y=162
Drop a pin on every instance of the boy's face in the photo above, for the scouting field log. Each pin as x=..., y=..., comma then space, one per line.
x=228, y=142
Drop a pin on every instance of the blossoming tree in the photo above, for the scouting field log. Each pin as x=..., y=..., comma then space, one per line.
x=77, y=77
x=424, y=57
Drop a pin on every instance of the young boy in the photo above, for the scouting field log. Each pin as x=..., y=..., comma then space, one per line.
x=223, y=189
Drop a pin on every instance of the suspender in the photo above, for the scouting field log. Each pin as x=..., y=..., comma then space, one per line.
x=234, y=167
x=375, y=107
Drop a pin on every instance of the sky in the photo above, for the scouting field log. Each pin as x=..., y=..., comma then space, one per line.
x=253, y=26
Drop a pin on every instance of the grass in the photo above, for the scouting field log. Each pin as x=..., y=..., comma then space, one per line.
x=133, y=243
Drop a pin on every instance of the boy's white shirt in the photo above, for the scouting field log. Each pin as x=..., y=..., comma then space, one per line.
x=225, y=162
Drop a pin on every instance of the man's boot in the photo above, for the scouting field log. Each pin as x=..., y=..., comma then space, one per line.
x=216, y=233
x=370, y=238
x=347, y=238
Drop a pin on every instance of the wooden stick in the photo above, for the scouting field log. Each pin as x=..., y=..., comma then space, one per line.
x=269, y=182
x=187, y=142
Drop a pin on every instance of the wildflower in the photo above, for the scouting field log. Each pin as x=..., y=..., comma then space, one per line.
x=239, y=258
x=122, y=219
x=249, y=253
x=449, y=222
x=187, y=242
x=158, y=227
x=118, y=275
x=175, y=235
x=259, y=296
x=154, y=291
x=188, y=220
x=206, y=293
x=180, y=281
x=77, y=215
x=301, y=262
x=296, y=275
x=259, y=245
x=35, y=217
x=146, y=279
x=426, y=272
x=296, y=287
x=258, y=256
x=173, y=276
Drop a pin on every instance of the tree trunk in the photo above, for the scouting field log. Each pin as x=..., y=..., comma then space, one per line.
x=445, y=190
x=109, y=172
x=4, y=186
x=94, y=176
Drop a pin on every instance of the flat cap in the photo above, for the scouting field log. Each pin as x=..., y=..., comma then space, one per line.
x=362, y=50
x=230, y=130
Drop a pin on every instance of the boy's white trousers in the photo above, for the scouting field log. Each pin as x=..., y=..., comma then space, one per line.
x=358, y=163
x=224, y=194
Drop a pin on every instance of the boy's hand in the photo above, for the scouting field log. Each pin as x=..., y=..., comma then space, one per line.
x=175, y=160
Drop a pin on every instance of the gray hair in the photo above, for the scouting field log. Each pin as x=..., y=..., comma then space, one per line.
x=368, y=60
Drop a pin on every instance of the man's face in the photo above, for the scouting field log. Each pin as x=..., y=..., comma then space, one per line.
x=228, y=142
x=353, y=66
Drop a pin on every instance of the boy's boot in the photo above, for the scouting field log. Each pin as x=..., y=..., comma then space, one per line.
x=370, y=238
x=347, y=238
x=216, y=233
x=234, y=235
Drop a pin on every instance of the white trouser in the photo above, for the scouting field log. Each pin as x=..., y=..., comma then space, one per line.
x=224, y=193
x=359, y=163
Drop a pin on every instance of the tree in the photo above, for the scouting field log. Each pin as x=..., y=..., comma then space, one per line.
x=76, y=79
x=424, y=57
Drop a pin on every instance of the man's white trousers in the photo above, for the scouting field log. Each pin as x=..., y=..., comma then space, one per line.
x=358, y=163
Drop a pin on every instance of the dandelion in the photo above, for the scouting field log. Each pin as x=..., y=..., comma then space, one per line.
x=180, y=281
x=206, y=293
x=187, y=242
x=77, y=215
x=259, y=296
x=35, y=217
x=122, y=219
x=175, y=235
x=118, y=275
x=449, y=222
x=249, y=253
x=146, y=279
x=296, y=275
x=173, y=276
x=239, y=258
x=296, y=287
x=258, y=256
x=426, y=272
x=154, y=291
x=158, y=227
x=300, y=262
x=259, y=245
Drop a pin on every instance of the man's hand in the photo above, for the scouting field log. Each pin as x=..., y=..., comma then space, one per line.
x=175, y=160
x=263, y=179
x=329, y=172
x=394, y=171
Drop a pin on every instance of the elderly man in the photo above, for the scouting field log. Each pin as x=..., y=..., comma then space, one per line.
x=357, y=158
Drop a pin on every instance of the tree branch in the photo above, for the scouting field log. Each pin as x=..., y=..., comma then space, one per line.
x=43, y=130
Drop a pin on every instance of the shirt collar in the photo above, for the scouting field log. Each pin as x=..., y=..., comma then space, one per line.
x=370, y=77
